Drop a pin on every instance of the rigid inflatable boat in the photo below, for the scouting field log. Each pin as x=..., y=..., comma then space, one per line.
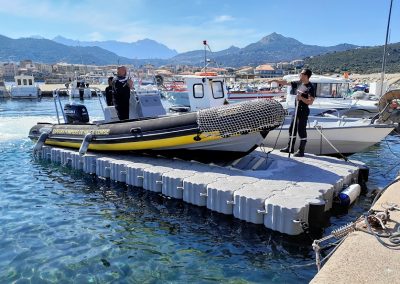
x=223, y=132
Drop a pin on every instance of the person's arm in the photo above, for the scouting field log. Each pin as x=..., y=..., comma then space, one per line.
x=308, y=101
x=130, y=83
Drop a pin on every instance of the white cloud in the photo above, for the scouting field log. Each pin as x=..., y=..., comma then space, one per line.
x=223, y=18
x=92, y=20
x=190, y=37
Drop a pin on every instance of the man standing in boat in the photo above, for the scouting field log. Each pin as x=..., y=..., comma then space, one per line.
x=122, y=86
x=110, y=92
x=305, y=97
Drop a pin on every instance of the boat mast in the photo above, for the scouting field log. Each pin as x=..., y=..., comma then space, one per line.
x=205, y=55
x=384, y=48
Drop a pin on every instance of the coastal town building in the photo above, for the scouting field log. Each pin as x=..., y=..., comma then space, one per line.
x=267, y=71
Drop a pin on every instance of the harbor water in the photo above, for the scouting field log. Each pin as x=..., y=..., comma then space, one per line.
x=62, y=226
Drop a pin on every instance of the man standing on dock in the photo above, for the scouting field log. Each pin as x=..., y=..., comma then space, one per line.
x=305, y=97
x=122, y=86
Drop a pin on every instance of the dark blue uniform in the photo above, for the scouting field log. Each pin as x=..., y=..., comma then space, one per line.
x=109, y=96
x=121, y=96
x=305, y=90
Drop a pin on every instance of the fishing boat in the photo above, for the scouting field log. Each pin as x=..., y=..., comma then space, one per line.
x=255, y=94
x=79, y=88
x=262, y=91
x=328, y=132
x=211, y=131
x=332, y=94
x=24, y=88
x=333, y=135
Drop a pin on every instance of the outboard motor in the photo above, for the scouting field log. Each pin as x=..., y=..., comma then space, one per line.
x=76, y=113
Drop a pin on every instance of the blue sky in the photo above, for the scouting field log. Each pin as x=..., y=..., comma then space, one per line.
x=183, y=24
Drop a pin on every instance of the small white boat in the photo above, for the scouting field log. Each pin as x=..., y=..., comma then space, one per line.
x=332, y=93
x=347, y=135
x=234, y=96
x=24, y=88
x=3, y=90
x=333, y=135
x=79, y=89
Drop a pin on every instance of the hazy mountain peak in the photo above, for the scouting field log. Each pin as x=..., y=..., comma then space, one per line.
x=278, y=38
x=145, y=48
x=37, y=37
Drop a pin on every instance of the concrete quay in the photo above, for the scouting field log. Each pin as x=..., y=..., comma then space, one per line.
x=47, y=89
x=282, y=193
x=361, y=258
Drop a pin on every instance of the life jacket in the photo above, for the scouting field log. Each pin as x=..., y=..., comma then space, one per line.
x=120, y=86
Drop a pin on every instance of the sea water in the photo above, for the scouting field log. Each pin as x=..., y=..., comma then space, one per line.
x=62, y=226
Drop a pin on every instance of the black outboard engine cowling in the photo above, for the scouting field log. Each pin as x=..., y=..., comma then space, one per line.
x=76, y=113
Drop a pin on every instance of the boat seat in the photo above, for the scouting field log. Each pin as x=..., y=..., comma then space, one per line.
x=145, y=104
x=110, y=114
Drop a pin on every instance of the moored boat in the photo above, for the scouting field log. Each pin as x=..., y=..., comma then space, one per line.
x=212, y=131
x=25, y=88
x=3, y=90
x=333, y=135
x=79, y=89
x=332, y=94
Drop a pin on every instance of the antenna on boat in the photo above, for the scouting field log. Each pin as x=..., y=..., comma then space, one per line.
x=205, y=54
x=384, y=48
x=207, y=61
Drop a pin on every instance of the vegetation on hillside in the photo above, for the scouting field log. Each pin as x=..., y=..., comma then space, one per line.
x=365, y=60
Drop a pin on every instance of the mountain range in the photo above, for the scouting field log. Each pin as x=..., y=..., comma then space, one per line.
x=141, y=49
x=271, y=48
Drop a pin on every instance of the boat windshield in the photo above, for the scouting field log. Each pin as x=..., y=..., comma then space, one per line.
x=218, y=89
x=178, y=98
x=332, y=90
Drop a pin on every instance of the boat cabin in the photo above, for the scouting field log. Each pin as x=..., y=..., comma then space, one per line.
x=205, y=90
x=332, y=94
x=24, y=80
x=325, y=87
x=24, y=87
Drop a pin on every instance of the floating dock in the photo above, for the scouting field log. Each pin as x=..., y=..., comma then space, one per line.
x=284, y=194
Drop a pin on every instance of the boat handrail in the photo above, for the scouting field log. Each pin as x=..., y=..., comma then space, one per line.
x=56, y=97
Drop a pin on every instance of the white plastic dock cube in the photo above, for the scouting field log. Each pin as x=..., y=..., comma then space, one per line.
x=89, y=163
x=249, y=200
x=45, y=153
x=323, y=191
x=152, y=177
x=118, y=170
x=172, y=182
x=195, y=187
x=103, y=167
x=56, y=155
x=134, y=173
x=284, y=213
x=220, y=193
x=77, y=161
x=66, y=158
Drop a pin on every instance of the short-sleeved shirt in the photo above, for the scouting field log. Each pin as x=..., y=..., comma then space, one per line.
x=306, y=90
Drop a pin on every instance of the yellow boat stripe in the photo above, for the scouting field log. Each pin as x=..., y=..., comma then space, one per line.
x=139, y=145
